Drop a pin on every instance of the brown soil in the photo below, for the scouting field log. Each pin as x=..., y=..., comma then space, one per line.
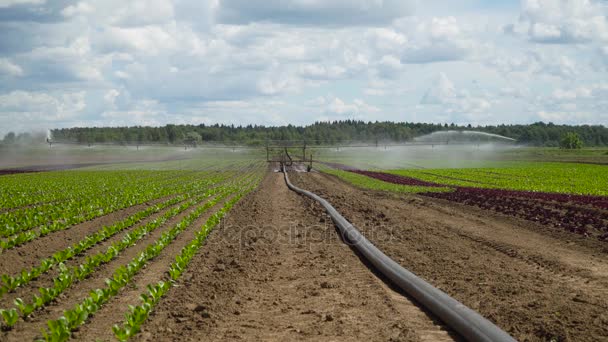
x=534, y=282
x=277, y=270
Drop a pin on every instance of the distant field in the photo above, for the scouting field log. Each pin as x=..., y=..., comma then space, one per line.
x=570, y=178
x=593, y=155
x=567, y=196
x=118, y=157
x=439, y=157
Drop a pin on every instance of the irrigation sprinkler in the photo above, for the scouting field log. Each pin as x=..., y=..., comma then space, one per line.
x=280, y=153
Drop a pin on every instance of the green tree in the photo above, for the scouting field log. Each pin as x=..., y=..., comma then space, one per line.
x=10, y=138
x=192, y=138
x=571, y=141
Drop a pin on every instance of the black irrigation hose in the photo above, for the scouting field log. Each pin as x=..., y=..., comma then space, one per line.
x=468, y=323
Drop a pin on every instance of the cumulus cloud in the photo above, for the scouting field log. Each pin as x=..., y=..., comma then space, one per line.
x=37, y=11
x=436, y=52
x=440, y=39
x=9, y=68
x=321, y=72
x=9, y=3
x=335, y=108
x=562, y=21
x=440, y=92
x=22, y=110
x=65, y=63
x=455, y=102
x=314, y=12
x=386, y=39
x=160, y=61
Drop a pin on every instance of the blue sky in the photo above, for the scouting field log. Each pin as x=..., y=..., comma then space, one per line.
x=150, y=62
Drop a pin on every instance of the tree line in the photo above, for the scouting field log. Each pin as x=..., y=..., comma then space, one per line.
x=319, y=133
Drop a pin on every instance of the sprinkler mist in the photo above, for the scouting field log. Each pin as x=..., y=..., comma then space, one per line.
x=472, y=137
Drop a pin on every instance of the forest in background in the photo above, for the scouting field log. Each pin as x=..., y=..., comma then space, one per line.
x=319, y=133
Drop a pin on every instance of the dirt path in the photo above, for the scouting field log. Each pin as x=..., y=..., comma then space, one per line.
x=277, y=270
x=536, y=283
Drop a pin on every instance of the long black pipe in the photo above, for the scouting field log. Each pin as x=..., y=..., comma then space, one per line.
x=468, y=323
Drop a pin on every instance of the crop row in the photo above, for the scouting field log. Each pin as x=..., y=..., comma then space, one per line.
x=68, y=276
x=63, y=217
x=597, y=201
x=39, y=188
x=60, y=329
x=137, y=315
x=10, y=283
x=88, y=203
x=562, y=178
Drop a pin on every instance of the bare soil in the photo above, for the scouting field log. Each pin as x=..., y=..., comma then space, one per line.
x=277, y=270
x=535, y=282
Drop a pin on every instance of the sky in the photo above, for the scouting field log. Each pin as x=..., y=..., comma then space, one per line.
x=275, y=62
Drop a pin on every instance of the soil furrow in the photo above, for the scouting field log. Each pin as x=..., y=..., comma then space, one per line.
x=534, y=285
x=276, y=269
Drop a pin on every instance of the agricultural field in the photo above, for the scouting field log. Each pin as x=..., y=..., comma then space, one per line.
x=211, y=244
x=80, y=237
x=443, y=156
x=570, y=196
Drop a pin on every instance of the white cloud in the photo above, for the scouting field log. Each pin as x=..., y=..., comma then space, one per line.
x=62, y=105
x=389, y=67
x=581, y=92
x=81, y=8
x=21, y=110
x=66, y=63
x=333, y=108
x=237, y=61
x=311, y=12
x=386, y=39
x=440, y=92
x=9, y=68
x=321, y=72
x=572, y=117
x=110, y=96
x=444, y=28
x=460, y=105
x=562, y=21
x=563, y=67
x=149, y=40
x=439, y=39
x=9, y=3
